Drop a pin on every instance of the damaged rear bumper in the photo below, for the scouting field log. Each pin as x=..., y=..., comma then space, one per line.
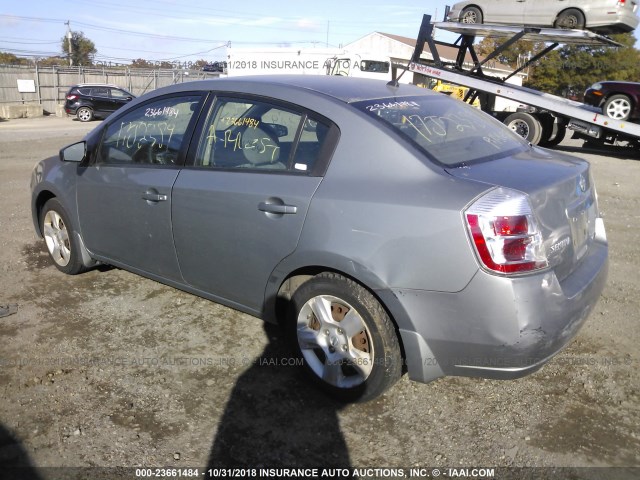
x=499, y=327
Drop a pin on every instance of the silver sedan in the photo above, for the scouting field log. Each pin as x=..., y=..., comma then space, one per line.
x=605, y=16
x=387, y=229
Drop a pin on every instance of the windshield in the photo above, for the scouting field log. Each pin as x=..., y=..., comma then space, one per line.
x=449, y=131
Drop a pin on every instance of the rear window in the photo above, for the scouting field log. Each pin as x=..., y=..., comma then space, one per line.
x=448, y=131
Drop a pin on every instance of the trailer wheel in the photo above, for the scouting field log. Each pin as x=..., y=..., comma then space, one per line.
x=553, y=130
x=571, y=18
x=558, y=137
x=525, y=125
x=471, y=15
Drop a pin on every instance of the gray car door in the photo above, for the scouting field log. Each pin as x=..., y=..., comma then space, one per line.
x=239, y=210
x=504, y=11
x=124, y=196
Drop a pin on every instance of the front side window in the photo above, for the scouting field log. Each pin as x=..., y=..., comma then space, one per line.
x=117, y=93
x=152, y=133
x=449, y=131
x=258, y=135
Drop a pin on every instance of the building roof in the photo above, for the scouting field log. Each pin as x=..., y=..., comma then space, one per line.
x=449, y=53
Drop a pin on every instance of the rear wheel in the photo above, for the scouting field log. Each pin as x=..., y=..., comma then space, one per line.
x=571, y=18
x=471, y=15
x=345, y=338
x=60, y=238
x=525, y=125
x=618, y=107
x=84, y=114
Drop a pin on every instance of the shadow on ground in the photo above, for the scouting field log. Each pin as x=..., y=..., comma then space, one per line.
x=275, y=418
x=15, y=463
x=615, y=151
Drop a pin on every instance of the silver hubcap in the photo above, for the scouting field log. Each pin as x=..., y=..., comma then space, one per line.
x=335, y=341
x=84, y=114
x=57, y=237
x=520, y=127
x=570, y=22
x=470, y=17
x=618, y=109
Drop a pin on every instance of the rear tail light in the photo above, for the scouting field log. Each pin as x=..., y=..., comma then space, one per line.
x=71, y=96
x=505, y=232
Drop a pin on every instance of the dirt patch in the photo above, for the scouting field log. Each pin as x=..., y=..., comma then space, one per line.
x=110, y=369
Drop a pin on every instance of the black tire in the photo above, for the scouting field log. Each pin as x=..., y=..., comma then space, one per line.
x=471, y=15
x=571, y=18
x=547, y=122
x=60, y=238
x=618, y=107
x=84, y=114
x=345, y=338
x=560, y=133
x=525, y=125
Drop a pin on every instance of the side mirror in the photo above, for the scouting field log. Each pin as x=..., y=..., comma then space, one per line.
x=74, y=153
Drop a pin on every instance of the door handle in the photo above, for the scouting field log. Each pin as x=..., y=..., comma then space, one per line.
x=152, y=196
x=277, y=208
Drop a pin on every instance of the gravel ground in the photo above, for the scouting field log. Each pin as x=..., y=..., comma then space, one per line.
x=107, y=369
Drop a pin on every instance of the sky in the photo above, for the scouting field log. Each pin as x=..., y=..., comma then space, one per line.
x=189, y=30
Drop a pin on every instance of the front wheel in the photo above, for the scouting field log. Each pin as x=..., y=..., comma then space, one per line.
x=345, y=338
x=60, y=239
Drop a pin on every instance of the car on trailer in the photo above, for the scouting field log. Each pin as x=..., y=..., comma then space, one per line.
x=603, y=16
x=618, y=100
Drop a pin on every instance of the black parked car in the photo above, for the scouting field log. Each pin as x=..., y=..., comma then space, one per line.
x=619, y=100
x=87, y=101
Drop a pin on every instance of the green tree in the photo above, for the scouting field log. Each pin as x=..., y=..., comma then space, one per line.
x=141, y=63
x=576, y=67
x=51, y=61
x=82, y=49
x=7, y=58
x=511, y=56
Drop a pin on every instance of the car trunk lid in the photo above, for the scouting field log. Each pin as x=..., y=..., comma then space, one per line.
x=561, y=194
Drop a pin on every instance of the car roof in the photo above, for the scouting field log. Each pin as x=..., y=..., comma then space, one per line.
x=618, y=82
x=346, y=89
x=97, y=85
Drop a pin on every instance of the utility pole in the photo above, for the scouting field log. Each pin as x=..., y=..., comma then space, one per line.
x=328, y=33
x=69, y=44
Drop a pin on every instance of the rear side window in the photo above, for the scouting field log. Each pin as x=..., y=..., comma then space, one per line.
x=249, y=134
x=447, y=130
x=151, y=134
x=100, y=91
